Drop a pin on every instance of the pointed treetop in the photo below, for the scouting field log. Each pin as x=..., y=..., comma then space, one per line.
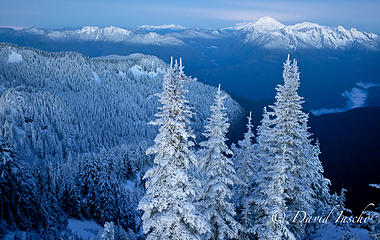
x=249, y=124
x=295, y=66
x=171, y=62
x=168, y=205
x=219, y=87
x=287, y=65
x=266, y=116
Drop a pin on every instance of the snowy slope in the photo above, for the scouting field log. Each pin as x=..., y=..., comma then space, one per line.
x=64, y=102
x=336, y=232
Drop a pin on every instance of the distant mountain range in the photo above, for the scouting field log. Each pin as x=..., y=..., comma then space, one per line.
x=269, y=33
x=245, y=59
x=266, y=32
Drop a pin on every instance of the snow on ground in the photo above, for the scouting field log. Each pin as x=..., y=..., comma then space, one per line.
x=138, y=72
x=122, y=74
x=86, y=229
x=333, y=232
x=98, y=80
x=14, y=58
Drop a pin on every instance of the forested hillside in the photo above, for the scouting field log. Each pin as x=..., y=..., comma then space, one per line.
x=66, y=120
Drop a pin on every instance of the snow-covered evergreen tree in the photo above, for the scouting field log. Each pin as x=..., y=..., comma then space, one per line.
x=9, y=178
x=285, y=146
x=16, y=183
x=68, y=187
x=263, y=140
x=270, y=197
x=244, y=162
x=338, y=201
x=169, y=210
x=320, y=184
x=219, y=176
x=309, y=190
x=49, y=218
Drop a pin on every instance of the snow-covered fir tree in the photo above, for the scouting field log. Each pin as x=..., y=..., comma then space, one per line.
x=9, y=178
x=338, y=201
x=319, y=183
x=49, y=216
x=270, y=197
x=288, y=157
x=219, y=176
x=68, y=187
x=310, y=190
x=243, y=159
x=16, y=184
x=244, y=162
x=169, y=210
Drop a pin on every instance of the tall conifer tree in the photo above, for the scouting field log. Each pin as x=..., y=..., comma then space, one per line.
x=245, y=163
x=289, y=158
x=169, y=211
x=219, y=174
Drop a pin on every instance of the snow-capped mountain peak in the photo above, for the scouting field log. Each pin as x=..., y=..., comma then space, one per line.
x=114, y=34
x=110, y=33
x=89, y=29
x=264, y=24
x=116, y=30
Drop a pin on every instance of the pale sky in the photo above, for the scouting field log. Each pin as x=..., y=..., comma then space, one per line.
x=361, y=14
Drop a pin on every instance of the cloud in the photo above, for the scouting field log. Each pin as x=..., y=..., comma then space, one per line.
x=356, y=98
